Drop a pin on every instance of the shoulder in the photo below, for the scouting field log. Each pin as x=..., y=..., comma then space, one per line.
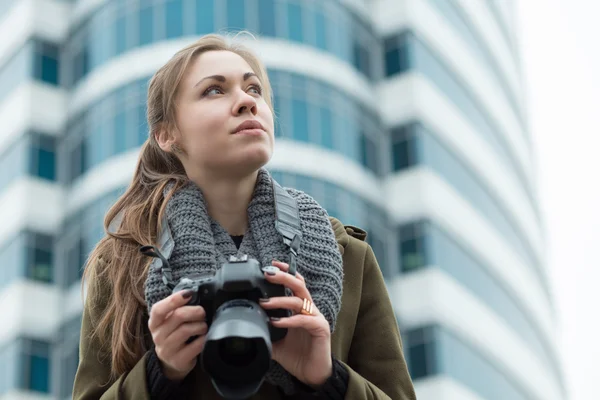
x=348, y=235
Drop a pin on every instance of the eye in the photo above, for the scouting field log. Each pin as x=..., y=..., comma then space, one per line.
x=213, y=90
x=256, y=88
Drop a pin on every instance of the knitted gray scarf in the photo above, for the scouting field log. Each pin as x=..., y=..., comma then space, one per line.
x=201, y=245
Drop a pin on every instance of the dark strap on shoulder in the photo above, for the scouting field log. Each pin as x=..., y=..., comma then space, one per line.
x=287, y=222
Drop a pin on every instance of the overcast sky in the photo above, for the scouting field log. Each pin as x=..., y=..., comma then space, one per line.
x=560, y=43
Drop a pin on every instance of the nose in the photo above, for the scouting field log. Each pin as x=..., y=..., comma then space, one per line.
x=245, y=103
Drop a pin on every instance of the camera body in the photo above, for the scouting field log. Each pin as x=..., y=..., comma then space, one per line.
x=239, y=279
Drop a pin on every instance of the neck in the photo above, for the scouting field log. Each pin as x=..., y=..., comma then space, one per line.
x=227, y=200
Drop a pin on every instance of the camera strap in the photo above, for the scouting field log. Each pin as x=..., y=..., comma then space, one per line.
x=287, y=222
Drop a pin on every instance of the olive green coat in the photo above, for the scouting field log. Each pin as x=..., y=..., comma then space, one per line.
x=366, y=340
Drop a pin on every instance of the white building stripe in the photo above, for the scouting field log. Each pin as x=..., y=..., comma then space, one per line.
x=411, y=96
x=441, y=387
x=431, y=296
x=30, y=203
x=30, y=309
x=431, y=27
x=32, y=106
x=423, y=194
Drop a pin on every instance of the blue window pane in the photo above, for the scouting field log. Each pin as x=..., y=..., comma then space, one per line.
x=300, y=118
x=392, y=62
x=340, y=33
x=39, y=371
x=320, y=31
x=418, y=360
x=205, y=16
x=266, y=17
x=146, y=25
x=174, y=18
x=326, y=128
x=120, y=133
x=368, y=150
x=46, y=164
x=120, y=35
x=295, y=22
x=235, y=14
x=49, y=69
x=41, y=267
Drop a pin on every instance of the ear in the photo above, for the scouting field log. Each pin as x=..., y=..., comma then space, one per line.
x=165, y=139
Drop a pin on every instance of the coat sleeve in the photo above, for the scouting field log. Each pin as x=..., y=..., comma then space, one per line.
x=92, y=380
x=376, y=364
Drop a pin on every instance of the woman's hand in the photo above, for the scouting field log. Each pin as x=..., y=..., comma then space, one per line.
x=171, y=324
x=305, y=352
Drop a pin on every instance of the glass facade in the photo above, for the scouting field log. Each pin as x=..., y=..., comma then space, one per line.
x=31, y=154
x=27, y=255
x=456, y=16
x=405, y=52
x=36, y=60
x=122, y=26
x=423, y=244
x=415, y=145
x=25, y=364
x=435, y=351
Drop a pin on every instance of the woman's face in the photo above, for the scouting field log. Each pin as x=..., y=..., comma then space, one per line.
x=225, y=125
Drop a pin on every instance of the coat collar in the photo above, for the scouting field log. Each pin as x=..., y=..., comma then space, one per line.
x=343, y=233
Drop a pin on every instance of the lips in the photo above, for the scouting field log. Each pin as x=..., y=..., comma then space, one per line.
x=248, y=125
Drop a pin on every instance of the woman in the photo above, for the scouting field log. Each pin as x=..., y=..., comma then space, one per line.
x=200, y=183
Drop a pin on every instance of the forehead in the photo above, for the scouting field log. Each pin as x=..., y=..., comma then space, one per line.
x=219, y=62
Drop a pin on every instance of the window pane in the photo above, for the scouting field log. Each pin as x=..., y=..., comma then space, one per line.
x=392, y=62
x=120, y=133
x=266, y=17
x=49, y=69
x=39, y=372
x=121, y=34
x=205, y=21
x=235, y=14
x=41, y=268
x=46, y=167
x=146, y=25
x=418, y=360
x=326, y=128
x=300, y=117
x=295, y=22
x=174, y=18
x=321, y=31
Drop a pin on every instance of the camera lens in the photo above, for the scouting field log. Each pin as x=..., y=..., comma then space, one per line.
x=237, y=351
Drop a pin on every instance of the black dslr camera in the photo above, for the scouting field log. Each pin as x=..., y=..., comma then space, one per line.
x=237, y=352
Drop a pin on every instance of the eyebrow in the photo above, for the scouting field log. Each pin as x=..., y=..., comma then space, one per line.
x=221, y=78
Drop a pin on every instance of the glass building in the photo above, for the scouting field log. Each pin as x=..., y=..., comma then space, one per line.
x=403, y=117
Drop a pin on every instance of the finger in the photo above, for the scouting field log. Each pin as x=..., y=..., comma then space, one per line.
x=185, y=355
x=281, y=265
x=177, y=340
x=289, y=303
x=317, y=326
x=297, y=286
x=177, y=318
x=160, y=310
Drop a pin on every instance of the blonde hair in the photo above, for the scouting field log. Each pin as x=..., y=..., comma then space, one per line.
x=116, y=262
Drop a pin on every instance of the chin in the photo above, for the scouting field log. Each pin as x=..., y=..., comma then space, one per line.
x=247, y=163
